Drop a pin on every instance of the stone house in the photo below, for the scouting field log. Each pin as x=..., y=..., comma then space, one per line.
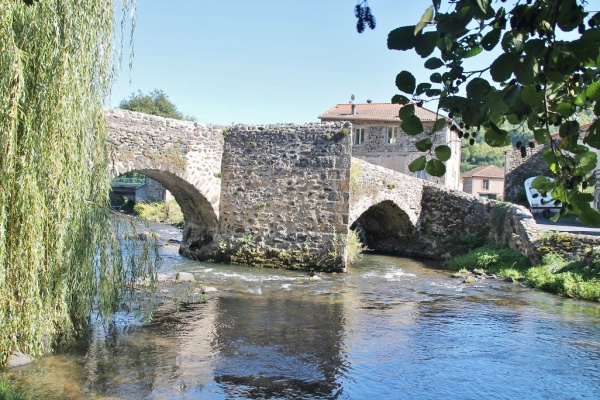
x=378, y=139
x=486, y=181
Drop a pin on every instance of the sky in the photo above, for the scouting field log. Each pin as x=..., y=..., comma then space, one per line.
x=265, y=61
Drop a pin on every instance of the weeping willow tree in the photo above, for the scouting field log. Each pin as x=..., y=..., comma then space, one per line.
x=57, y=257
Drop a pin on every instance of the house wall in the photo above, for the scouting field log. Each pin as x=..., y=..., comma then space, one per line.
x=398, y=156
x=474, y=185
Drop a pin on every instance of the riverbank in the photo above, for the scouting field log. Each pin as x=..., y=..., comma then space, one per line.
x=575, y=278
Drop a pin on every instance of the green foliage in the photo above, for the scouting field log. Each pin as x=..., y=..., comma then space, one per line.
x=575, y=279
x=130, y=177
x=578, y=278
x=354, y=246
x=154, y=103
x=167, y=212
x=493, y=259
x=57, y=254
x=544, y=76
x=247, y=238
x=475, y=152
x=9, y=390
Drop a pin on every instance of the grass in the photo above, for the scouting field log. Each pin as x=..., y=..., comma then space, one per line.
x=577, y=279
x=168, y=212
x=10, y=391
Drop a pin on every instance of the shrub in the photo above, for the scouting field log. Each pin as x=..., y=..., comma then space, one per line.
x=355, y=246
x=168, y=212
x=493, y=259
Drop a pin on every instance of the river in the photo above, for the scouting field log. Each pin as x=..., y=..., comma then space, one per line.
x=390, y=328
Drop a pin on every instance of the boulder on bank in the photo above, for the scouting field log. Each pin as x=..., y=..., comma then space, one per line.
x=184, y=277
x=18, y=359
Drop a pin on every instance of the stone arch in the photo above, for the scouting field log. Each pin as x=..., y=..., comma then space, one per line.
x=200, y=219
x=184, y=156
x=386, y=228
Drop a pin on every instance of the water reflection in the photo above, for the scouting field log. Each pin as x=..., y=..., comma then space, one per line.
x=388, y=329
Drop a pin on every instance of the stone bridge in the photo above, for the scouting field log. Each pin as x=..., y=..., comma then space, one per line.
x=286, y=195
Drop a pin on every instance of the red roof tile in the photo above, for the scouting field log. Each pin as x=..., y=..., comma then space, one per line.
x=382, y=112
x=485, y=171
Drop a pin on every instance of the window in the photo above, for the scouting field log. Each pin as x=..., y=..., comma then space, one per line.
x=392, y=135
x=359, y=136
x=485, y=184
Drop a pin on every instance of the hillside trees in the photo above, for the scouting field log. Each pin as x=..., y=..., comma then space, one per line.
x=544, y=73
x=56, y=256
x=153, y=103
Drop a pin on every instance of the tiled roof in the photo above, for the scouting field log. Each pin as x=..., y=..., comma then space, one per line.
x=383, y=112
x=485, y=171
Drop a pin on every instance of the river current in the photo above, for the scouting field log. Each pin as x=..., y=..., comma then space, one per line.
x=390, y=328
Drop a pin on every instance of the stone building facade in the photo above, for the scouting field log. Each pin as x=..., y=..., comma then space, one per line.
x=485, y=181
x=378, y=139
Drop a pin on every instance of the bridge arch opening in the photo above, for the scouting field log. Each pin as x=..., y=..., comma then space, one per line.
x=386, y=228
x=200, y=220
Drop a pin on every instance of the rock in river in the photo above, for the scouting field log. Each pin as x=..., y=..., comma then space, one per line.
x=184, y=277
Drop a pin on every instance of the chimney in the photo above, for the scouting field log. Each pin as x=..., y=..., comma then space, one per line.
x=353, y=109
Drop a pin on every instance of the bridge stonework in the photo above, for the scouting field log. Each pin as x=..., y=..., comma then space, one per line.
x=284, y=197
x=287, y=195
x=403, y=215
x=184, y=156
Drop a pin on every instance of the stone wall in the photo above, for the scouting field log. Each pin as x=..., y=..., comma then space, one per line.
x=286, y=195
x=452, y=222
x=284, y=200
x=518, y=169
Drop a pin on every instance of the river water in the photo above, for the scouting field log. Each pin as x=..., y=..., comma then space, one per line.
x=390, y=328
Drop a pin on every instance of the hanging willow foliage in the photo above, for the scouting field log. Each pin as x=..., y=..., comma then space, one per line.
x=56, y=68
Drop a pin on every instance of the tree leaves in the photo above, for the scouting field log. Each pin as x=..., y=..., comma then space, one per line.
x=417, y=164
x=405, y=82
x=402, y=38
x=435, y=168
x=491, y=39
x=541, y=80
x=425, y=43
x=433, y=63
x=440, y=124
x=443, y=153
x=424, y=144
x=502, y=68
x=425, y=19
x=412, y=125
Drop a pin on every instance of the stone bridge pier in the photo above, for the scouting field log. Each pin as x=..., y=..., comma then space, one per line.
x=184, y=156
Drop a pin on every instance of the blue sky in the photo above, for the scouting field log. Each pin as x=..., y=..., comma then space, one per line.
x=265, y=61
